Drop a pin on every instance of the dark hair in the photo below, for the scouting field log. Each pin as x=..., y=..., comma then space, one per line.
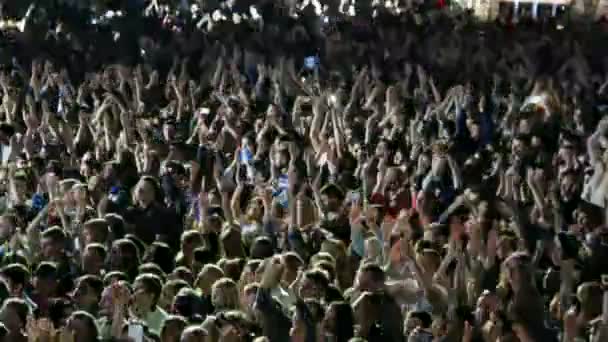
x=137, y=242
x=128, y=245
x=15, y=257
x=425, y=318
x=189, y=304
x=152, y=268
x=116, y=224
x=375, y=271
x=262, y=248
x=318, y=277
x=114, y=274
x=160, y=253
x=17, y=274
x=19, y=306
x=152, y=284
x=158, y=192
x=58, y=307
x=46, y=270
x=89, y=321
x=184, y=273
x=99, y=226
x=55, y=234
x=98, y=248
x=7, y=129
x=93, y=282
x=190, y=236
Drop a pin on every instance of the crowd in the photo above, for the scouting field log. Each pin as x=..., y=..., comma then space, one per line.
x=185, y=171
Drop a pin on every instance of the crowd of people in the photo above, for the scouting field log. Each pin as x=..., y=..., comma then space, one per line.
x=185, y=171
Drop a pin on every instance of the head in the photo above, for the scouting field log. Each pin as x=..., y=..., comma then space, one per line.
x=53, y=244
x=17, y=278
x=189, y=304
x=569, y=186
x=116, y=225
x=589, y=294
x=207, y=277
x=147, y=191
x=87, y=293
x=124, y=256
x=173, y=328
x=82, y=325
x=518, y=271
x=370, y=277
x=313, y=284
x=13, y=314
x=147, y=289
x=332, y=196
x=93, y=258
x=339, y=321
x=169, y=291
x=194, y=334
x=255, y=210
x=190, y=241
x=225, y=295
x=46, y=279
x=95, y=231
x=160, y=254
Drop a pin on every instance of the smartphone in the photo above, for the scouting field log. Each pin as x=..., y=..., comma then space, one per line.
x=311, y=62
x=136, y=332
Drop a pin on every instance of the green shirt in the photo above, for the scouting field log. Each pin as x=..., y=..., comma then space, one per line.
x=155, y=320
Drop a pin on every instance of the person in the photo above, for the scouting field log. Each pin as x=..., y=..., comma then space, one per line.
x=146, y=293
x=382, y=170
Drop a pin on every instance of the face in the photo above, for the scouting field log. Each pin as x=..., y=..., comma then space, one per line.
x=308, y=289
x=331, y=202
x=568, y=187
x=89, y=236
x=51, y=249
x=141, y=299
x=365, y=282
x=106, y=305
x=517, y=147
x=92, y=262
x=474, y=130
x=145, y=193
x=83, y=296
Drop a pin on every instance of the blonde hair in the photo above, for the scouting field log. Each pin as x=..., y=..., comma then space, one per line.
x=207, y=276
x=225, y=295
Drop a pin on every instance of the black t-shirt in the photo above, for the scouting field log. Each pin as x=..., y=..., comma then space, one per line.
x=152, y=221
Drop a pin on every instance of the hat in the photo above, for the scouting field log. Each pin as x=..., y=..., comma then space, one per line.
x=333, y=189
